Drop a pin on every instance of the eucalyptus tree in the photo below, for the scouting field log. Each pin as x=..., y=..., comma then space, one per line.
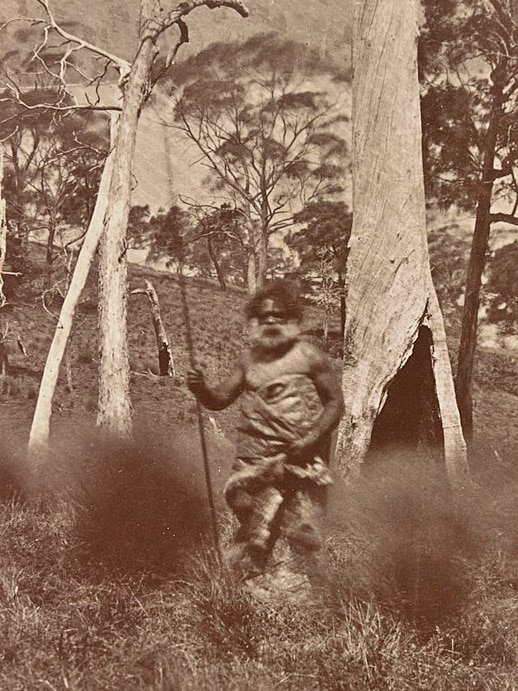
x=469, y=76
x=264, y=115
x=67, y=58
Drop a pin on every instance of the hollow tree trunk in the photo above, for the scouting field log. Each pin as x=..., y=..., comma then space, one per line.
x=391, y=302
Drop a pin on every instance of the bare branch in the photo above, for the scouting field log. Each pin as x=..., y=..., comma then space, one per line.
x=185, y=8
x=503, y=218
x=122, y=65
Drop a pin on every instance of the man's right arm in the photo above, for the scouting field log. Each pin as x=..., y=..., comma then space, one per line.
x=222, y=395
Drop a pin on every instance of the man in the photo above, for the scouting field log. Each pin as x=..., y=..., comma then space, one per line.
x=291, y=401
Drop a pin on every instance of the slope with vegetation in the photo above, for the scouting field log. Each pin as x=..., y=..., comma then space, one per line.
x=111, y=582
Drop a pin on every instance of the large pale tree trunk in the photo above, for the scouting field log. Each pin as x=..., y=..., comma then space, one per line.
x=397, y=379
x=114, y=412
x=40, y=428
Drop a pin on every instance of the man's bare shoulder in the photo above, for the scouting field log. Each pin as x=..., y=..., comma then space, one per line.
x=316, y=358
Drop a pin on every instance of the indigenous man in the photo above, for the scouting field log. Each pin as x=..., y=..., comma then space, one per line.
x=291, y=401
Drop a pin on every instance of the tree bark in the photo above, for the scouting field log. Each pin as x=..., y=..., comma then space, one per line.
x=217, y=266
x=49, y=268
x=114, y=410
x=3, y=228
x=165, y=355
x=40, y=428
x=477, y=263
x=391, y=301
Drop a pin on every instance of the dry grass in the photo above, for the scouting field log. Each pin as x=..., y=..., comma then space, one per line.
x=108, y=580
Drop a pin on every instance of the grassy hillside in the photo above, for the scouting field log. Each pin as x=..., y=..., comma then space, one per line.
x=109, y=580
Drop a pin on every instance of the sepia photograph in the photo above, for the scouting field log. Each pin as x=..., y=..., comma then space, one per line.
x=259, y=345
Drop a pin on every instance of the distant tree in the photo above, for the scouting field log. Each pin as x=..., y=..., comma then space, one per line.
x=325, y=238
x=448, y=261
x=165, y=235
x=469, y=74
x=266, y=128
x=327, y=293
x=502, y=288
x=217, y=245
x=138, y=220
x=54, y=162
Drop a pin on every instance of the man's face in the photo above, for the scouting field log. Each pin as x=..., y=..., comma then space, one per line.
x=274, y=328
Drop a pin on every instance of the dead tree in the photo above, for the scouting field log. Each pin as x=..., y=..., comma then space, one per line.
x=165, y=354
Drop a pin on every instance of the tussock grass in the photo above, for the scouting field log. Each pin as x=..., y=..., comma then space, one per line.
x=95, y=593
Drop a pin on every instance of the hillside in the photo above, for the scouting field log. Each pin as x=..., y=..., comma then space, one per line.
x=111, y=583
x=218, y=336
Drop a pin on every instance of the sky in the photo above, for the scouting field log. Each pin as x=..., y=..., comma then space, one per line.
x=164, y=163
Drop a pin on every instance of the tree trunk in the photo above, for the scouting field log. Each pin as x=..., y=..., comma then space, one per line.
x=251, y=281
x=343, y=307
x=217, y=266
x=262, y=259
x=165, y=355
x=326, y=324
x=49, y=268
x=3, y=228
x=477, y=262
x=114, y=412
x=393, y=316
x=40, y=428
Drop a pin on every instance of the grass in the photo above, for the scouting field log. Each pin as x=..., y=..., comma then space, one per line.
x=108, y=579
x=70, y=623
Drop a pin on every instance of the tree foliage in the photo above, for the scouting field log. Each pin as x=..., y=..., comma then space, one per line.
x=469, y=57
x=262, y=113
x=502, y=287
x=448, y=260
x=322, y=248
x=217, y=245
x=469, y=72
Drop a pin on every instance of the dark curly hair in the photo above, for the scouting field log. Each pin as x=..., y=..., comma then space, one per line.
x=281, y=291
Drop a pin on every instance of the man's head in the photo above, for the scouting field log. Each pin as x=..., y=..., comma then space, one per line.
x=276, y=314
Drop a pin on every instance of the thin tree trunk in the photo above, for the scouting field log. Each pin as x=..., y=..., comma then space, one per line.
x=50, y=255
x=477, y=263
x=3, y=228
x=165, y=354
x=341, y=283
x=40, y=428
x=391, y=302
x=217, y=266
x=262, y=260
x=251, y=282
